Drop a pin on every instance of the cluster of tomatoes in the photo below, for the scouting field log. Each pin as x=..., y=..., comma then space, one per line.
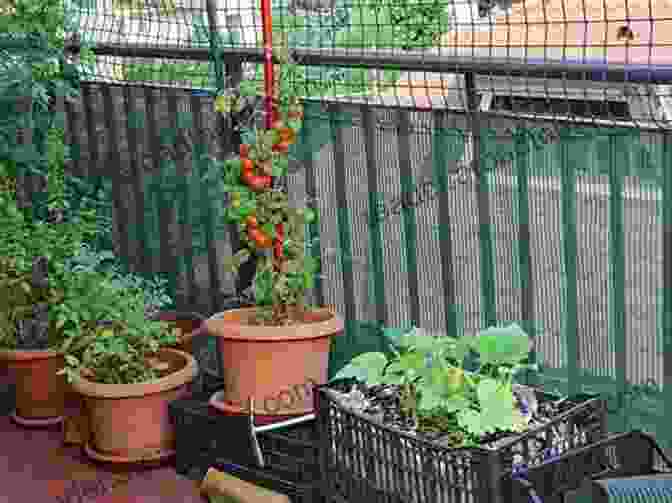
x=258, y=180
x=248, y=174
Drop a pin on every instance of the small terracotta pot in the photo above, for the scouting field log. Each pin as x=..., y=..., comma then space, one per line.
x=40, y=392
x=129, y=422
x=189, y=324
x=278, y=366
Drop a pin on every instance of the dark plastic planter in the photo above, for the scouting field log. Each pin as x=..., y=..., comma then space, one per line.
x=367, y=461
x=7, y=398
x=198, y=344
x=290, y=454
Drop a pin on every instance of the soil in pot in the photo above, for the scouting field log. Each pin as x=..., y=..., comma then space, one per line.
x=129, y=423
x=276, y=365
x=39, y=391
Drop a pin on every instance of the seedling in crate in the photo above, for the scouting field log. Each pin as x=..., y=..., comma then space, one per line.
x=427, y=374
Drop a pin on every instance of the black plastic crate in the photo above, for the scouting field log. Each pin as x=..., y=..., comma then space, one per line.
x=205, y=437
x=566, y=478
x=367, y=461
x=7, y=398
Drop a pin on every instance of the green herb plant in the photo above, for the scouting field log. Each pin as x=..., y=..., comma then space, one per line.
x=106, y=334
x=152, y=289
x=430, y=373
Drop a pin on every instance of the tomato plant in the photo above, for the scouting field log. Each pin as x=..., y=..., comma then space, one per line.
x=271, y=228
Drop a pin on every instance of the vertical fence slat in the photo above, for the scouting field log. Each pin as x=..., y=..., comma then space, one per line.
x=185, y=200
x=73, y=130
x=167, y=264
x=174, y=254
x=569, y=253
x=408, y=213
x=617, y=271
x=112, y=168
x=312, y=115
x=155, y=143
x=92, y=145
x=207, y=224
x=343, y=218
x=138, y=223
x=375, y=227
x=666, y=201
x=488, y=292
x=439, y=148
x=524, y=253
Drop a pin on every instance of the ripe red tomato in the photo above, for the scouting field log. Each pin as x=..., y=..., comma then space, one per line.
x=256, y=182
x=260, y=238
x=281, y=148
x=246, y=165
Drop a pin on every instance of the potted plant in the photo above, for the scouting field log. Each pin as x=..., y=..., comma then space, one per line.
x=126, y=375
x=275, y=350
x=28, y=347
x=29, y=343
x=153, y=290
x=398, y=425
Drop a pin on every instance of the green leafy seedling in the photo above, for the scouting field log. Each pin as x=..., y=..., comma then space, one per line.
x=367, y=367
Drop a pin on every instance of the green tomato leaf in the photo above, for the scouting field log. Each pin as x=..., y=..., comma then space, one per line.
x=367, y=367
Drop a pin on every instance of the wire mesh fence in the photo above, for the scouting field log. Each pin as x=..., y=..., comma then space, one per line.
x=589, y=40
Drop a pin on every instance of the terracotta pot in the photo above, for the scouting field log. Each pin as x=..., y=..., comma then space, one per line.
x=129, y=422
x=278, y=366
x=188, y=323
x=40, y=392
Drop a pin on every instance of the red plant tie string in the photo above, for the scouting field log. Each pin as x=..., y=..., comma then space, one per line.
x=277, y=246
x=271, y=112
x=268, y=61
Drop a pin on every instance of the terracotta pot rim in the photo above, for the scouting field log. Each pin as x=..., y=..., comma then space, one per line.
x=231, y=329
x=184, y=375
x=178, y=315
x=28, y=354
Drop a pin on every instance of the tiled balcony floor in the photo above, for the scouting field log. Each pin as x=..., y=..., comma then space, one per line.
x=38, y=468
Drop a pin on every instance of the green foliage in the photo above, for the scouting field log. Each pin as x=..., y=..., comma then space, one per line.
x=153, y=290
x=119, y=352
x=109, y=354
x=396, y=24
x=17, y=297
x=429, y=371
x=284, y=272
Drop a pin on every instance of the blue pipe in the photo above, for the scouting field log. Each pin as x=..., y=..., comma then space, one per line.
x=595, y=69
